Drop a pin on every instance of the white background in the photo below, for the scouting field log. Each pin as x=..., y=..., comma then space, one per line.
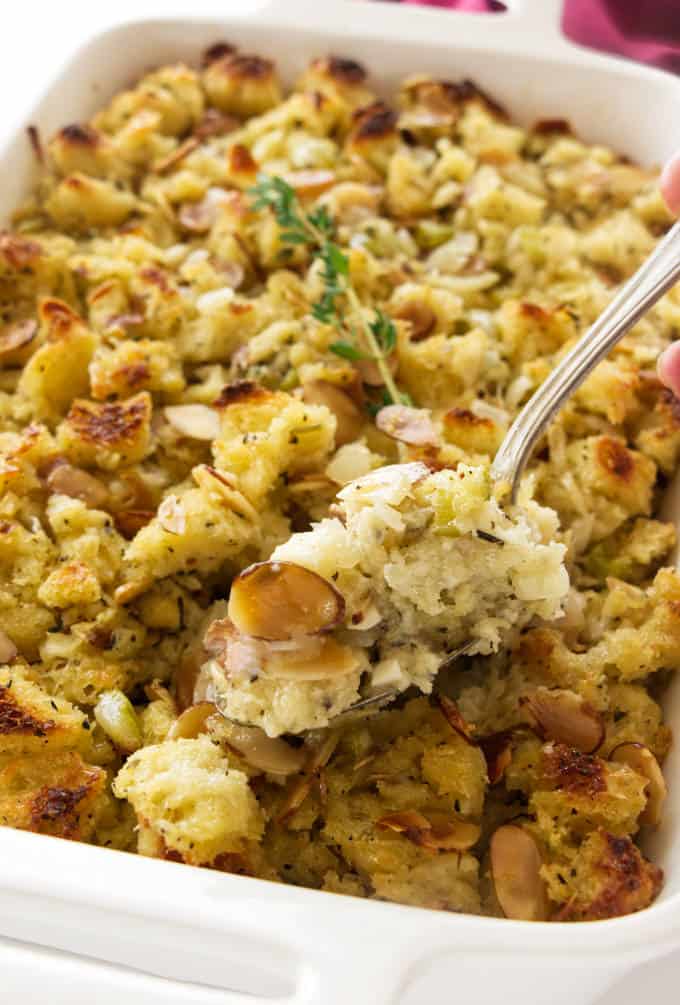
x=36, y=37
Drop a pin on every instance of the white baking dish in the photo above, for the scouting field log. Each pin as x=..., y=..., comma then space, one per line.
x=256, y=940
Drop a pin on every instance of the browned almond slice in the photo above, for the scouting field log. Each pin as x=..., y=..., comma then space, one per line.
x=323, y=659
x=301, y=787
x=408, y=425
x=279, y=601
x=640, y=758
x=349, y=418
x=191, y=723
x=127, y=592
x=198, y=422
x=17, y=335
x=455, y=719
x=8, y=650
x=299, y=791
x=407, y=822
x=450, y=835
x=420, y=317
x=130, y=521
x=497, y=750
x=563, y=716
x=266, y=753
x=67, y=480
x=437, y=834
x=516, y=870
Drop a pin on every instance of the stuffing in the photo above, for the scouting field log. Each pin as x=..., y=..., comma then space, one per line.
x=191, y=801
x=251, y=618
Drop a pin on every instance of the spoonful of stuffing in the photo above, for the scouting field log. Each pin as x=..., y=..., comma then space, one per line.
x=413, y=569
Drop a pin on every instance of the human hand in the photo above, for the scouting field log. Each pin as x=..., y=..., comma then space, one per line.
x=668, y=366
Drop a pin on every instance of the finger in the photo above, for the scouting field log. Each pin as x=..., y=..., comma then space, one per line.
x=669, y=184
x=668, y=368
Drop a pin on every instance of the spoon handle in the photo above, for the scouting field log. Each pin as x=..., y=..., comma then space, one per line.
x=655, y=277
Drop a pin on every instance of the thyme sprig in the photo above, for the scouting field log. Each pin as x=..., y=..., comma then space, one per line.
x=339, y=304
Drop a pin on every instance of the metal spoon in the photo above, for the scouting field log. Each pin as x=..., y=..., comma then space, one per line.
x=654, y=278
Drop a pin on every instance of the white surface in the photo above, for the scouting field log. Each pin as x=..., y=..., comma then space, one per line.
x=191, y=923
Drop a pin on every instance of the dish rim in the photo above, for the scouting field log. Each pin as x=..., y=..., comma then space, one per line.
x=42, y=868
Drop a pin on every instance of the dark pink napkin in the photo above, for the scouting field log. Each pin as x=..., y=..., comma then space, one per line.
x=646, y=30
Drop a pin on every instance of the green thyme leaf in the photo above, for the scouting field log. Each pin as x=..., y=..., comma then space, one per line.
x=384, y=331
x=339, y=304
x=346, y=350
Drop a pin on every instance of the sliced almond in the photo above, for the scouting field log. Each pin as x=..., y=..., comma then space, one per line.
x=310, y=182
x=350, y=419
x=516, y=870
x=171, y=515
x=315, y=482
x=269, y=754
x=438, y=833
x=564, y=716
x=421, y=318
x=232, y=273
x=455, y=719
x=323, y=659
x=407, y=822
x=67, y=480
x=640, y=758
x=497, y=750
x=17, y=335
x=191, y=723
x=216, y=640
x=278, y=601
x=129, y=522
x=451, y=835
x=127, y=592
x=224, y=485
x=407, y=425
x=8, y=650
x=317, y=759
x=199, y=217
x=198, y=422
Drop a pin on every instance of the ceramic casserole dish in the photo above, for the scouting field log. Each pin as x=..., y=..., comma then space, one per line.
x=255, y=941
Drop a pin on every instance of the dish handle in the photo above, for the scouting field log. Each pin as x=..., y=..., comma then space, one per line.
x=537, y=21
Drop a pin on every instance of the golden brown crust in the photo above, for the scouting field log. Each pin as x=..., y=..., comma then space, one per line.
x=570, y=770
x=241, y=392
x=624, y=882
x=16, y=719
x=115, y=424
x=376, y=122
x=216, y=52
x=80, y=135
x=615, y=458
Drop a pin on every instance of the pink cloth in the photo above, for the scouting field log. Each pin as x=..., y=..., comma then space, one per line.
x=646, y=30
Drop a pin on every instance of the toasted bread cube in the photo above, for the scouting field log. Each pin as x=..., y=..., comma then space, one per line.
x=242, y=85
x=81, y=202
x=107, y=434
x=185, y=792
x=266, y=433
x=54, y=793
x=31, y=720
x=58, y=370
